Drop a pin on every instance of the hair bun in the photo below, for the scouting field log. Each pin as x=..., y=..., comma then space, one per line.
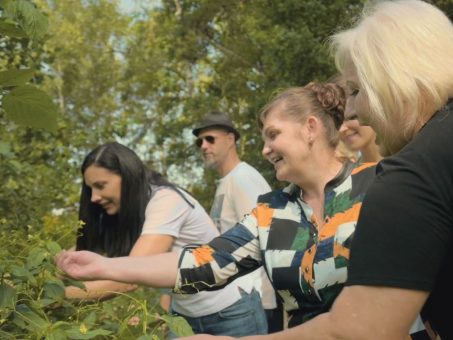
x=332, y=99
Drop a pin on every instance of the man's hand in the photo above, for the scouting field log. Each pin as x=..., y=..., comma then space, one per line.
x=82, y=265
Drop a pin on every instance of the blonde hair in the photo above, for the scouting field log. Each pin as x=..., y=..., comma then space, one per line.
x=402, y=52
x=325, y=101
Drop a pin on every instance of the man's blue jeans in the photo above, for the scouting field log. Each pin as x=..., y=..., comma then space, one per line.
x=244, y=317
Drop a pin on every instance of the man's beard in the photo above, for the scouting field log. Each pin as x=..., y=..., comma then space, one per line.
x=211, y=163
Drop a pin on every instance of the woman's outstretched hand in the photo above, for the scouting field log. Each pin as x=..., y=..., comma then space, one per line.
x=82, y=265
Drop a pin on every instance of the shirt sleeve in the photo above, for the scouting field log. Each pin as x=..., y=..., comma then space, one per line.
x=165, y=213
x=234, y=253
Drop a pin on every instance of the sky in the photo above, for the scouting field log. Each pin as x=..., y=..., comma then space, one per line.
x=130, y=6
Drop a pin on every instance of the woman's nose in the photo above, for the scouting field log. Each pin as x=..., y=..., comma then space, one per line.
x=95, y=197
x=266, y=150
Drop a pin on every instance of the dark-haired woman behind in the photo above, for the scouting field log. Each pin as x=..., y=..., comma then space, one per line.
x=129, y=210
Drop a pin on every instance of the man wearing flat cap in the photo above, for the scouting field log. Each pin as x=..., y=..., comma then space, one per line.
x=236, y=195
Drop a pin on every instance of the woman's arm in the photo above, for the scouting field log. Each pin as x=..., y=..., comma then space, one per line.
x=239, y=247
x=98, y=290
x=161, y=270
x=156, y=271
x=103, y=289
x=359, y=312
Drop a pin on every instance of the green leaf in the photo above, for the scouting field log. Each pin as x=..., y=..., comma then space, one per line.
x=82, y=333
x=15, y=77
x=8, y=296
x=55, y=334
x=23, y=274
x=35, y=257
x=178, y=325
x=53, y=290
x=75, y=283
x=29, y=106
x=52, y=246
x=20, y=272
x=33, y=22
x=90, y=319
x=108, y=308
x=11, y=30
x=44, y=302
x=25, y=317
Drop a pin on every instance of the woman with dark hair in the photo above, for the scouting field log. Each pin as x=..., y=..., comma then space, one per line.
x=129, y=210
x=102, y=217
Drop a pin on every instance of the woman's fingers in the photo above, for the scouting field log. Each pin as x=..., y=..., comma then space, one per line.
x=59, y=257
x=66, y=261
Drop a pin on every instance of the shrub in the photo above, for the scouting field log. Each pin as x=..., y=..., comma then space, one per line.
x=32, y=303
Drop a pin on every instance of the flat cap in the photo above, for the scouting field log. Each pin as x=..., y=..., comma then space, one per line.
x=216, y=119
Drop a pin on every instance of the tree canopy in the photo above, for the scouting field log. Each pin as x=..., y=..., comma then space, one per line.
x=75, y=74
x=144, y=78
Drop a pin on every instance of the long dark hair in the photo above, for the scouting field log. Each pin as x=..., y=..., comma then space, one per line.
x=115, y=235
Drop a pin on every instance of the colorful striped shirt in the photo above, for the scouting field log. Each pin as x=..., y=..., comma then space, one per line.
x=306, y=265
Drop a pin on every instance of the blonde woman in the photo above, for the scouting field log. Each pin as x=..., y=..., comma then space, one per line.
x=358, y=142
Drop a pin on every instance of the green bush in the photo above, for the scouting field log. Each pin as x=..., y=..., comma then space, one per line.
x=32, y=303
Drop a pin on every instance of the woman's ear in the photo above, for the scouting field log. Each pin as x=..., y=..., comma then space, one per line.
x=313, y=127
x=312, y=122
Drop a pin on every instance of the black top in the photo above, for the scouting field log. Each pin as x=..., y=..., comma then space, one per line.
x=404, y=234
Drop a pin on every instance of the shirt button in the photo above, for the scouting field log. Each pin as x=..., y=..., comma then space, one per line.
x=309, y=250
x=307, y=269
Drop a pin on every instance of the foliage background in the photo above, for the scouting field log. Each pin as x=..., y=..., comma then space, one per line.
x=142, y=78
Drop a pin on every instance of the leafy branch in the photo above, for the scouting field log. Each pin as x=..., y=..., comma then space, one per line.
x=23, y=103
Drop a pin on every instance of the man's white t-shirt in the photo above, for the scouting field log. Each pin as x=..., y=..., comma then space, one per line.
x=236, y=196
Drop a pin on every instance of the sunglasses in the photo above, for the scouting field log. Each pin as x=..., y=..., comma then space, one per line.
x=209, y=139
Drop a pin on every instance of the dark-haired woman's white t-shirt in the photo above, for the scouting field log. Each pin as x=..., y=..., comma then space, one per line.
x=167, y=213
